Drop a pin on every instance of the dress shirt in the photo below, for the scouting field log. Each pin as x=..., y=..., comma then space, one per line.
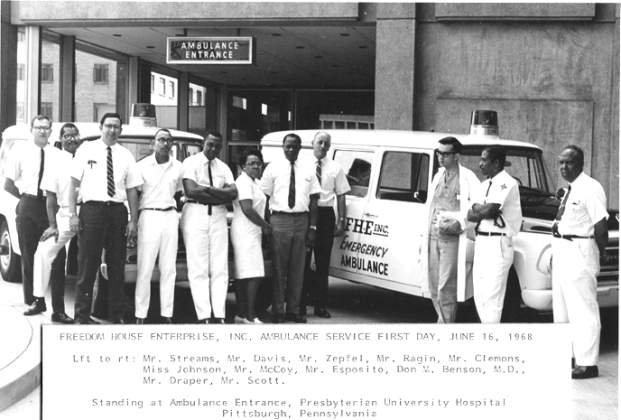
x=161, y=182
x=586, y=205
x=275, y=184
x=333, y=180
x=90, y=168
x=195, y=169
x=24, y=164
x=58, y=180
x=504, y=191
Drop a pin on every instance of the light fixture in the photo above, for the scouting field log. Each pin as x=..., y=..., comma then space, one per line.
x=299, y=47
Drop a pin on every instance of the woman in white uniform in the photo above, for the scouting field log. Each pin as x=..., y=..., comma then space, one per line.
x=248, y=222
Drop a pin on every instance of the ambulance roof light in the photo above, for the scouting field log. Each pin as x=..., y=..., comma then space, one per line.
x=143, y=115
x=484, y=123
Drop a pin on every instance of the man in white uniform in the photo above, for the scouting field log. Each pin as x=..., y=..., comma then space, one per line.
x=580, y=235
x=498, y=212
x=208, y=184
x=334, y=186
x=56, y=183
x=158, y=226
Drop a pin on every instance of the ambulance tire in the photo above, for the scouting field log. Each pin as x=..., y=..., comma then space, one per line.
x=10, y=262
x=512, y=309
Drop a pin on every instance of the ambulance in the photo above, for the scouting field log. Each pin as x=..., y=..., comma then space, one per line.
x=386, y=241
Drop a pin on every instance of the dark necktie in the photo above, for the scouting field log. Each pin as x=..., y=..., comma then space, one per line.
x=292, y=187
x=560, y=212
x=318, y=172
x=110, y=173
x=210, y=182
x=476, y=228
x=39, y=191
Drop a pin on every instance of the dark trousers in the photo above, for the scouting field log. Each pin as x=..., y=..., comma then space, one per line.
x=103, y=226
x=31, y=222
x=316, y=282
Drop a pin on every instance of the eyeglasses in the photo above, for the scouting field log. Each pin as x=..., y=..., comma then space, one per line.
x=39, y=128
x=165, y=141
x=444, y=154
x=112, y=126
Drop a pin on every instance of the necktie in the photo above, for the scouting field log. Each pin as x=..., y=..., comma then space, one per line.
x=476, y=228
x=292, y=187
x=560, y=212
x=110, y=174
x=39, y=191
x=318, y=172
x=210, y=182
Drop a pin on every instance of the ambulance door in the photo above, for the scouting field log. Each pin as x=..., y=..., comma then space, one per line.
x=358, y=166
x=395, y=222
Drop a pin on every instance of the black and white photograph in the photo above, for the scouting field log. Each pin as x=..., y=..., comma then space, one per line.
x=425, y=196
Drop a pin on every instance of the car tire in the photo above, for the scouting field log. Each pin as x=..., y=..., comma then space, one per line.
x=10, y=263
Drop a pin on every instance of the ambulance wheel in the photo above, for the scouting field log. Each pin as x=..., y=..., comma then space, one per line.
x=10, y=262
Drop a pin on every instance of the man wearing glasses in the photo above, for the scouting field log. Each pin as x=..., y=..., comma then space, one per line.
x=158, y=225
x=498, y=215
x=24, y=171
x=56, y=183
x=107, y=176
x=453, y=189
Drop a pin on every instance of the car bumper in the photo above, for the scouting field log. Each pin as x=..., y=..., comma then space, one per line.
x=541, y=300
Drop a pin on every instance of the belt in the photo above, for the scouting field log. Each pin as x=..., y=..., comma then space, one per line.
x=195, y=202
x=102, y=203
x=479, y=233
x=154, y=209
x=36, y=197
x=572, y=237
x=292, y=213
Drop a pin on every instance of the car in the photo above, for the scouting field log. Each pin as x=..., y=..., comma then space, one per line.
x=388, y=210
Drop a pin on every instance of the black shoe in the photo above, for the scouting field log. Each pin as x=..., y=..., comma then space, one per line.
x=37, y=307
x=216, y=321
x=584, y=372
x=278, y=319
x=119, y=321
x=302, y=310
x=298, y=319
x=322, y=313
x=573, y=363
x=89, y=321
x=62, y=317
x=167, y=320
x=139, y=321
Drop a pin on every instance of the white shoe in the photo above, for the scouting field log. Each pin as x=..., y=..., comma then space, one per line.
x=239, y=320
x=255, y=321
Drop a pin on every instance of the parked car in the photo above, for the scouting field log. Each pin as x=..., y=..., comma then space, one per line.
x=388, y=211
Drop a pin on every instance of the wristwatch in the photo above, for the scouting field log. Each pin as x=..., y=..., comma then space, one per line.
x=313, y=227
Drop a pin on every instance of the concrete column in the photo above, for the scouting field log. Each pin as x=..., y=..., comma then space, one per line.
x=133, y=76
x=183, y=101
x=67, y=79
x=8, y=70
x=394, y=66
x=222, y=119
x=33, y=68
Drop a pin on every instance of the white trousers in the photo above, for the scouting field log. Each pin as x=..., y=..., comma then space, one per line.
x=46, y=254
x=158, y=234
x=493, y=256
x=574, y=293
x=207, y=245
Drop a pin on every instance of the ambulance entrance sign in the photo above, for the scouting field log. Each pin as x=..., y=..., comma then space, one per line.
x=210, y=50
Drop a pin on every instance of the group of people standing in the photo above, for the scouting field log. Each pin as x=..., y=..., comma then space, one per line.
x=489, y=213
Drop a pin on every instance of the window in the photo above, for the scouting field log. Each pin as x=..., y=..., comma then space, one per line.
x=47, y=109
x=20, y=112
x=171, y=85
x=162, y=86
x=152, y=83
x=199, y=98
x=47, y=73
x=21, y=72
x=357, y=166
x=404, y=177
x=100, y=73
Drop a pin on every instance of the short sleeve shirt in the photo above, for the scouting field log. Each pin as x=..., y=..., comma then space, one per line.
x=90, y=168
x=276, y=180
x=247, y=189
x=58, y=180
x=161, y=182
x=333, y=180
x=585, y=206
x=24, y=164
x=504, y=190
x=195, y=168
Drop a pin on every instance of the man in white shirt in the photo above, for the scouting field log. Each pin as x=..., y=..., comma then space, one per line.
x=56, y=183
x=580, y=233
x=498, y=212
x=106, y=175
x=158, y=226
x=208, y=184
x=24, y=171
x=293, y=192
x=334, y=186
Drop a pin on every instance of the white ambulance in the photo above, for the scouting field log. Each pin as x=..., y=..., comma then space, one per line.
x=388, y=211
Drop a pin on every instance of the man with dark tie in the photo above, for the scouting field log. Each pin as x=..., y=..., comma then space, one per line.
x=330, y=223
x=24, y=172
x=293, y=191
x=56, y=183
x=580, y=233
x=208, y=184
x=107, y=175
